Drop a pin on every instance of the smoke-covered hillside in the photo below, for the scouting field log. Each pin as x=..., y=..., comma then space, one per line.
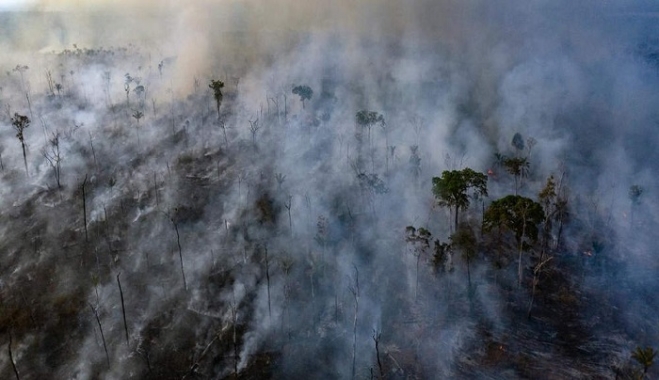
x=329, y=190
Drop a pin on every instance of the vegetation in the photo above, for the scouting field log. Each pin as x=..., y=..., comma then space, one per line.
x=519, y=215
x=304, y=92
x=644, y=357
x=217, y=86
x=20, y=123
x=168, y=251
x=451, y=188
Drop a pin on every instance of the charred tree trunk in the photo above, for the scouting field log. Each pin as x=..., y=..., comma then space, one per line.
x=123, y=309
x=105, y=347
x=11, y=357
x=84, y=208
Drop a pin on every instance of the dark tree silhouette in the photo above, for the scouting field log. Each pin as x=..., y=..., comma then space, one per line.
x=451, y=188
x=645, y=357
x=464, y=240
x=518, y=142
x=304, y=92
x=21, y=122
x=216, y=86
x=521, y=216
x=518, y=167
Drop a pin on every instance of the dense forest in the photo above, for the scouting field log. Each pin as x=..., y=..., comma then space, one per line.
x=356, y=190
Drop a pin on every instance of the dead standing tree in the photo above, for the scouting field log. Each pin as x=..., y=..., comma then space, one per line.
x=84, y=207
x=11, y=357
x=54, y=157
x=174, y=220
x=100, y=328
x=123, y=308
x=254, y=128
x=354, y=289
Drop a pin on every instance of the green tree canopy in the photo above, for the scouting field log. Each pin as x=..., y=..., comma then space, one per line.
x=451, y=188
x=518, y=214
x=645, y=357
x=304, y=92
x=518, y=167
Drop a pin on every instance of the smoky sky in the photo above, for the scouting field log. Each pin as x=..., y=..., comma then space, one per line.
x=455, y=79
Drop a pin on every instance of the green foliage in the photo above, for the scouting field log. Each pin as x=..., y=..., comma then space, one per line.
x=517, y=166
x=419, y=238
x=304, y=92
x=645, y=357
x=548, y=193
x=464, y=240
x=451, y=188
x=518, y=214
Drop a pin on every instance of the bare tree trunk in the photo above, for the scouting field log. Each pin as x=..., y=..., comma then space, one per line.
x=416, y=286
x=376, y=339
x=155, y=189
x=267, y=276
x=105, y=347
x=236, y=356
x=180, y=252
x=519, y=261
x=91, y=143
x=84, y=207
x=355, y=293
x=24, y=158
x=536, y=281
x=11, y=357
x=123, y=309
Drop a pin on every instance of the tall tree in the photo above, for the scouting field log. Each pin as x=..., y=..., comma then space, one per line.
x=216, y=86
x=367, y=119
x=645, y=357
x=420, y=244
x=451, y=188
x=464, y=240
x=21, y=122
x=519, y=215
x=518, y=167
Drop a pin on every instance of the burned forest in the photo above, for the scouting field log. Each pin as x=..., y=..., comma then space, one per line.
x=242, y=189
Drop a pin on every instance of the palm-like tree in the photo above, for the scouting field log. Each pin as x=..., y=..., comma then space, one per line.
x=645, y=357
x=518, y=167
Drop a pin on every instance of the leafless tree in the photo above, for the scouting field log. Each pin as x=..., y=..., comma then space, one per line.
x=254, y=128
x=53, y=155
x=123, y=308
x=98, y=321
